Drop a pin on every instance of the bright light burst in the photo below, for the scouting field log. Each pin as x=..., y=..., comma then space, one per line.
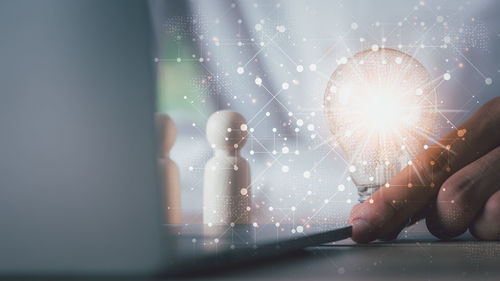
x=380, y=106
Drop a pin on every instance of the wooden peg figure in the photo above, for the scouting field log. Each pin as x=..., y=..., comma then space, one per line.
x=169, y=171
x=226, y=186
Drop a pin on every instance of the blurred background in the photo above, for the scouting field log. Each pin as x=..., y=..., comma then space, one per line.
x=271, y=60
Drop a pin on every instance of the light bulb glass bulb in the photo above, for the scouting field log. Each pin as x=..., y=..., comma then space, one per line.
x=380, y=106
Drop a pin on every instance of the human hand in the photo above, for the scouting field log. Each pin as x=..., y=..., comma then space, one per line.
x=455, y=185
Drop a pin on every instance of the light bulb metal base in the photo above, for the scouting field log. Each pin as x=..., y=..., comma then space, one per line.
x=366, y=191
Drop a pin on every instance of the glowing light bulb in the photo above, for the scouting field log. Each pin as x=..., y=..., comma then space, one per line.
x=380, y=107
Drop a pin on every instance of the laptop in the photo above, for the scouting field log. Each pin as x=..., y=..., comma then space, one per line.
x=79, y=189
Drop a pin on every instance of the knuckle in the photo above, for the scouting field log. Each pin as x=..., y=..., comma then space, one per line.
x=457, y=190
x=492, y=207
x=488, y=227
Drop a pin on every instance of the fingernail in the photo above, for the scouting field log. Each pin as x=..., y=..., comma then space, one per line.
x=362, y=231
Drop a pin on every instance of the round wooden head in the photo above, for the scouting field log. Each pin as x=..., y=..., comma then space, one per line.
x=227, y=130
x=166, y=132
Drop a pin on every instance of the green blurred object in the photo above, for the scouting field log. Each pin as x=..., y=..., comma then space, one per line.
x=178, y=69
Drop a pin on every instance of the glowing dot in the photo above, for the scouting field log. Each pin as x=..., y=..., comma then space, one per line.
x=354, y=26
x=277, y=224
x=190, y=168
x=252, y=152
x=341, y=187
x=348, y=201
x=255, y=224
x=387, y=185
x=410, y=185
x=310, y=127
x=488, y=81
x=232, y=224
x=352, y=168
x=300, y=68
x=285, y=86
x=244, y=191
x=229, y=130
x=258, y=81
x=258, y=27
x=274, y=130
x=307, y=174
x=240, y=70
x=398, y=60
x=193, y=240
x=179, y=59
x=285, y=169
x=375, y=47
x=268, y=114
x=312, y=67
x=200, y=59
x=285, y=150
x=300, y=122
x=371, y=201
x=439, y=18
x=447, y=76
x=341, y=270
x=252, y=130
x=343, y=60
x=300, y=229
x=271, y=209
x=235, y=167
x=371, y=178
x=426, y=146
x=419, y=92
x=244, y=127
x=248, y=209
x=326, y=201
x=293, y=209
x=348, y=133
x=447, y=39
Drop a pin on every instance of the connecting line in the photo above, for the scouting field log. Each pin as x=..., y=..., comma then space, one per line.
x=468, y=61
x=320, y=208
x=327, y=52
x=264, y=106
x=282, y=51
x=261, y=49
x=279, y=102
x=275, y=158
x=442, y=115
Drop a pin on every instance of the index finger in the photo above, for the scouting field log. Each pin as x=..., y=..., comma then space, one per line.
x=414, y=187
